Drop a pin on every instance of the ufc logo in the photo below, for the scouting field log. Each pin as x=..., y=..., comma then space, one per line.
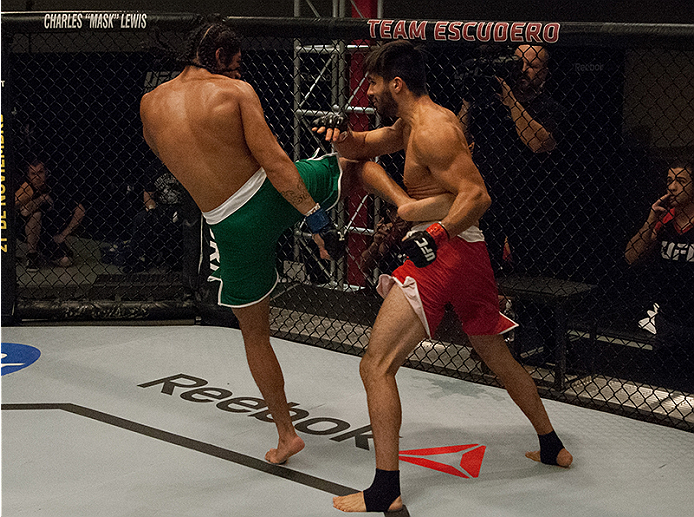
x=677, y=251
x=425, y=249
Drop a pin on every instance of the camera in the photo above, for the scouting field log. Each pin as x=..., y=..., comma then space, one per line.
x=478, y=76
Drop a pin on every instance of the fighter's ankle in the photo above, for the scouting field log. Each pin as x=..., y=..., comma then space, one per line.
x=384, y=490
x=550, y=446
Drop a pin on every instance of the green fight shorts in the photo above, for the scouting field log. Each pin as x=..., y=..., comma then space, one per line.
x=244, y=241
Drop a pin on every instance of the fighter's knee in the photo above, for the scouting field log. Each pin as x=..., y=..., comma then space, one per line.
x=365, y=369
x=352, y=175
x=374, y=367
x=370, y=169
x=370, y=368
x=346, y=163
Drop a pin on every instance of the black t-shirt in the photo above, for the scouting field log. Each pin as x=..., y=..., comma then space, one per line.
x=508, y=167
x=166, y=189
x=530, y=192
x=674, y=272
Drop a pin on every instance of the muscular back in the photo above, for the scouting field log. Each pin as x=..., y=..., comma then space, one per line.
x=200, y=125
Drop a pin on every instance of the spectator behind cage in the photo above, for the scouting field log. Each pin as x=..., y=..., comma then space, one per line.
x=156, y=231
x=515, y=127
x=668, y=237
x=51, y=213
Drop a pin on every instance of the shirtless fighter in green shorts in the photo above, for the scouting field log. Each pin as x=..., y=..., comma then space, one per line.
x=208, y=128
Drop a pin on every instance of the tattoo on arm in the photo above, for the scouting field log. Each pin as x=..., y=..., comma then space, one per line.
x=297, y=195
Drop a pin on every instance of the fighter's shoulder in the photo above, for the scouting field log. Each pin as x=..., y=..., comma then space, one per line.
x=236, y=92
x=148, y=97
x=155, y=95
x=437, y=125
x=148, y=104
x=236, y=87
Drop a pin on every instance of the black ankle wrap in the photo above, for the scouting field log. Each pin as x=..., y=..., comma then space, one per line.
x=383, y=491
x=550, y=445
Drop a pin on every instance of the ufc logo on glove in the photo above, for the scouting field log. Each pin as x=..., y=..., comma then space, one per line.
x=428, y=253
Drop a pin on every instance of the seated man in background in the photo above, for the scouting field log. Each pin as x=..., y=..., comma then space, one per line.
x=157, y=235
x=668, y=237
x=50, y=216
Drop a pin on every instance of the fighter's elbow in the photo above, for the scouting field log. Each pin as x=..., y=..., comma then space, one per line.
x=406, y=212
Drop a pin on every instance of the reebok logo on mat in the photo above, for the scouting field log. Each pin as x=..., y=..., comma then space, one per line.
x=16, y=356
x=468, y=467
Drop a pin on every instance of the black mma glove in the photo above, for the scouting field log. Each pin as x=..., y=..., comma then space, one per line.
x=420, y=247
x=318, y=222
x=334, y=120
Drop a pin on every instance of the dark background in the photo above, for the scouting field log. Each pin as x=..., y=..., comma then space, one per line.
x=635, y=11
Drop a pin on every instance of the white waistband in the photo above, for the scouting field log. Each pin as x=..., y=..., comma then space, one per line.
x=237, y=199
x=472, y=234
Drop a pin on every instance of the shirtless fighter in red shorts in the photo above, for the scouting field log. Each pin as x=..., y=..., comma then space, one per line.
x=448, y=263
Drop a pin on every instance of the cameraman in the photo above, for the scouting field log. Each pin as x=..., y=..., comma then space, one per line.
x=515, y=125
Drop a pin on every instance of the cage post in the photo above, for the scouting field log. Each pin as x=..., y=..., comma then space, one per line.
x=359, y=120
x=8, y=221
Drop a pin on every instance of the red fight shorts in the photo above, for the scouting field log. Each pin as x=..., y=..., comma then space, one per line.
x=461, y=275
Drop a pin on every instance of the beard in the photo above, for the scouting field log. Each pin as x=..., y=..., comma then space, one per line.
x=387, y=107
x=526, y=88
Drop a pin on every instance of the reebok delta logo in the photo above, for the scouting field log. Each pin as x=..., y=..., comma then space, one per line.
x=16, y=356
x=468, y=467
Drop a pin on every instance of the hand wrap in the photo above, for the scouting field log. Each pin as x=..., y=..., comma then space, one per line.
x=421, y=246
x=334, y=120
x=319, y=222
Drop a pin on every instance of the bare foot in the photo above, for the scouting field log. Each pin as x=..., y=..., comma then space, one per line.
x=283, y=452
x=355, y=503
x=564, y=458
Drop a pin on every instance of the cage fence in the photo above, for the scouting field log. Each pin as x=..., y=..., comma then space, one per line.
x=617, y=99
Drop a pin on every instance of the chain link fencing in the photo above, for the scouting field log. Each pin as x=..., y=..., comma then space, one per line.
x=618, y=100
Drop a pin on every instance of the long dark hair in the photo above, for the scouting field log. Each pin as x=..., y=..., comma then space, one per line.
x=203, y=42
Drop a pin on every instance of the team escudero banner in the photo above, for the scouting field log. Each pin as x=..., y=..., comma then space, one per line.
x=481, y=32
x=485, y=32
